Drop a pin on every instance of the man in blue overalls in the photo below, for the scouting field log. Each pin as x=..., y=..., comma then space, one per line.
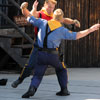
x=48, y=40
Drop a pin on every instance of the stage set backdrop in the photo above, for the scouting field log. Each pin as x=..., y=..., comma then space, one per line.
x=84, y=52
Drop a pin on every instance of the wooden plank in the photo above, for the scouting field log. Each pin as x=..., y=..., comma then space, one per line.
x=22, y=46
x=10, y=32
x=94, y=17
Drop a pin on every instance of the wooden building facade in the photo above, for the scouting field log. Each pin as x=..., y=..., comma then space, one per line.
x=78, y=53
x=86, y=51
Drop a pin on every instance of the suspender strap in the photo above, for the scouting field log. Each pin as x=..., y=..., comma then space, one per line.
x=46, y=36
x=40, y=16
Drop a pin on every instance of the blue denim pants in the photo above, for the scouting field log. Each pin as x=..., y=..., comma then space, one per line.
x=43, y=60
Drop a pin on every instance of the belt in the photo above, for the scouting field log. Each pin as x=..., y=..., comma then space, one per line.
x=49, y=50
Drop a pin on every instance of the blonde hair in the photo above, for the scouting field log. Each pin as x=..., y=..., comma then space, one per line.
x=53, y=1
x=58, y=14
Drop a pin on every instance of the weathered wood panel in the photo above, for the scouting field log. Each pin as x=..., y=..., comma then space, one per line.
x=83, y=52
x=86, y=51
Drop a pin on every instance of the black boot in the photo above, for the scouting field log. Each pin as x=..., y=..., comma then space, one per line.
x=63, y=92
x=3, y=82
x=25, y=73
x=16, y=83
x=30, y=92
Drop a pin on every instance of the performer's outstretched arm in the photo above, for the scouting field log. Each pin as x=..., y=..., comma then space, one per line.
x=87, y=31
x=34, y=21
x=71, y=21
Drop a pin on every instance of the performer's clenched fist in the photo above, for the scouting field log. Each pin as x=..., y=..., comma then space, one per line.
x=24, y=5
x=77, y=23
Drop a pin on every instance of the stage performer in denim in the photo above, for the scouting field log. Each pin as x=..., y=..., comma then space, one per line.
x=45, y=13
x=49, y=38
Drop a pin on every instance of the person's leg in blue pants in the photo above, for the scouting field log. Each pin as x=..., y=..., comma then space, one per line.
x=61, y=72
x=36, y=80
x=38, y=75
x=45, y=59
x=26, y=72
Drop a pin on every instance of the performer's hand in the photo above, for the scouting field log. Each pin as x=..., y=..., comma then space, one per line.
x=35, y=4
x=77, y=23
x=94, y=27
x=24, y=5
